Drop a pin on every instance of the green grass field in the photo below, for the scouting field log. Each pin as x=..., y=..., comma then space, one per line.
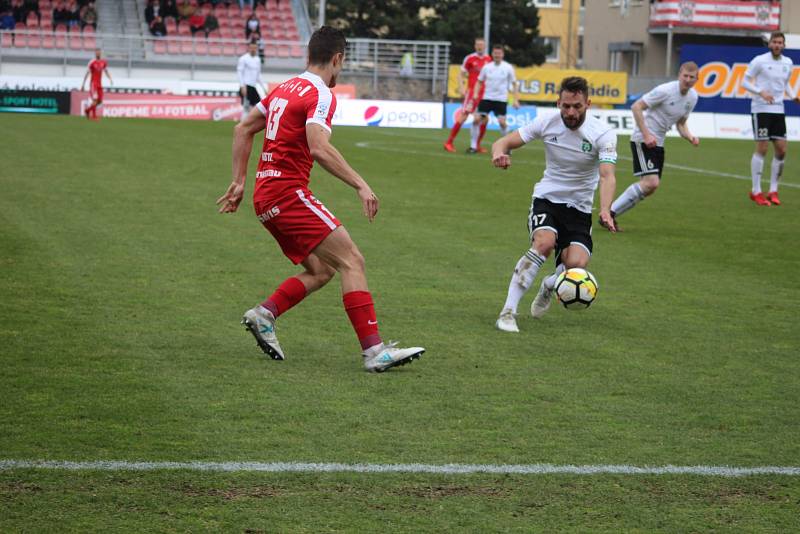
x=122, y=291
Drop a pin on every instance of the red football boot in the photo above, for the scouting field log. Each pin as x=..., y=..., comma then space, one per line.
x=772, y=196
x=482, y=150
x=760, y=200
x=449, y=146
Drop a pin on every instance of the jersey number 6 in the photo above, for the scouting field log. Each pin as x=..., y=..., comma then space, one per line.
x=276, y=109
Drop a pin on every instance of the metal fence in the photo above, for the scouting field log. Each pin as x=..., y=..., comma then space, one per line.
x=376, y=58
x=385, y=58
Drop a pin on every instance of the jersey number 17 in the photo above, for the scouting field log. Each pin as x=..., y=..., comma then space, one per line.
x=276, y=108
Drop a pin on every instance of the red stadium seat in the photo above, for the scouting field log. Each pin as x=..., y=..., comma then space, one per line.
x=228, y=49
x=173, y=47
x=283, y=51
x=32, y=21
x=201, y=47
x=183, y=28
x=48, y=41
x=297, y=51
x=172, y=26
x=215, y=49
x=186, y=47
x=75, y=41
x=227, y=33
x=159, y=47
x=260, y=10
x=88, y=30
x=20, y=40
x=6, y=41
x=89, y=42
x=35, y=40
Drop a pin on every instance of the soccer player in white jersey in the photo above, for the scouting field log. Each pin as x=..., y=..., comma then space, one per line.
x=655, y=113
x=767, y=78
x=580, y=151
x=494, y=80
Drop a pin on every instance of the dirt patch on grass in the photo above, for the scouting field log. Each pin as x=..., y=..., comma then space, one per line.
x=441, y=492
x=232, y=494
x=18, y=487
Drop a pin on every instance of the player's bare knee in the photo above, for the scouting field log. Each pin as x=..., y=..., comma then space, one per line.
x=649, y=184
x=761, y=148
x=544, y=243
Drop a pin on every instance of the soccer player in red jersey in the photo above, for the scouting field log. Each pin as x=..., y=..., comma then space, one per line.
x=297, y=118
x=470, y=68
x=96, y=68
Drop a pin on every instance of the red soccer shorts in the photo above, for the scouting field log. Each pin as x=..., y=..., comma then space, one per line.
x=297, y=220
x=97, y=92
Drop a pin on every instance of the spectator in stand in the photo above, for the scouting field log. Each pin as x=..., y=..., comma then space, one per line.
x=252, y=26
x=157, y=27
x=32, y=6
x=152, y=11
x=7, y=21
x=197, y=22
x=74, y=11
x=212, y=23
x=89, y=15
x=186, y=9
x=60, y=14
x=19, y=11
x=168, y=9
x=248, y=2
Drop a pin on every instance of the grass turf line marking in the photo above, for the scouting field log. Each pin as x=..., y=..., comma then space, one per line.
x=445, y=469
x=696, y=170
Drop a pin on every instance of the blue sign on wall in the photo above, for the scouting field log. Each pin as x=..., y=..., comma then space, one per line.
x=516, y=118
x=722, y=70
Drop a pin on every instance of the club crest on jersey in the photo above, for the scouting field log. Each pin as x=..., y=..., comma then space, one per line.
x=586, y=146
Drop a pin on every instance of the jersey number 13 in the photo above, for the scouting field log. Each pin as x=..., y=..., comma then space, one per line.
x=276, y=108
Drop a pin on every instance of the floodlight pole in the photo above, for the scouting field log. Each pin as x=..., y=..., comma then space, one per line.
x=321, y=14
x=487, y=13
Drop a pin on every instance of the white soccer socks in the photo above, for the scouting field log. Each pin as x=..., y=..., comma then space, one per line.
x=756, y=168
x=628, y=199
x=776, y=171
x=522, y=279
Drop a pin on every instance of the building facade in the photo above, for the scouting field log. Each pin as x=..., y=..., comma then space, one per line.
x=560, y=26
x=644, y=37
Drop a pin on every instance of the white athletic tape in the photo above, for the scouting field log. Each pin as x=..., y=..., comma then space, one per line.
x=445, y=469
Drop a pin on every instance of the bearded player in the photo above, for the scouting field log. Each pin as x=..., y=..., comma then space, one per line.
x=96, y=68
x=297, y=117
x=470, y=69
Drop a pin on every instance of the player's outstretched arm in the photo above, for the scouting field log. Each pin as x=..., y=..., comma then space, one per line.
x=683, y=130
x=85, y=77
x=501, y=149
x=108, y=75
x=332, y=161
x=242, y=146
x=608, y=185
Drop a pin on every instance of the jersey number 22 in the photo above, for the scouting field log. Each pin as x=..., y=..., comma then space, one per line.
x=276, y=109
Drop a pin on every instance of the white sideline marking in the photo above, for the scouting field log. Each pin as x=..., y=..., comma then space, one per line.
x=696, y=170
x=445, y=469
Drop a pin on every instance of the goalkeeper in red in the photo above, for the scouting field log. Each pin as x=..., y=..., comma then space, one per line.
x=297, y=118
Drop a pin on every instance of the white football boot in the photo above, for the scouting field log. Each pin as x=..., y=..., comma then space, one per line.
x=390, y=356
x=506, y=322
x=542, y=301
x=260, y=322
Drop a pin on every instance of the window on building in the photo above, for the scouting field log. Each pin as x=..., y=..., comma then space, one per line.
x=547, y=3
x=552, y=57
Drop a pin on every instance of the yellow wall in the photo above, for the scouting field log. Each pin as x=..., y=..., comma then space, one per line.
x=555, y=22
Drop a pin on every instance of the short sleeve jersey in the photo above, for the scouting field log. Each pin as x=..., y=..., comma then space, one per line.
x=96, y=67
x=472, y=65
x=285, y=158
x=497, y=78
x=771, y=75
x=665, y=106
x=573, y=158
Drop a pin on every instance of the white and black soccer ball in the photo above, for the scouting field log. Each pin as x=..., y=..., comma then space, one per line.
x=576, y=289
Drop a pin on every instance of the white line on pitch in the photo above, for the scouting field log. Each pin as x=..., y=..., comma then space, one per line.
x=371, y=145
x=445, y=469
